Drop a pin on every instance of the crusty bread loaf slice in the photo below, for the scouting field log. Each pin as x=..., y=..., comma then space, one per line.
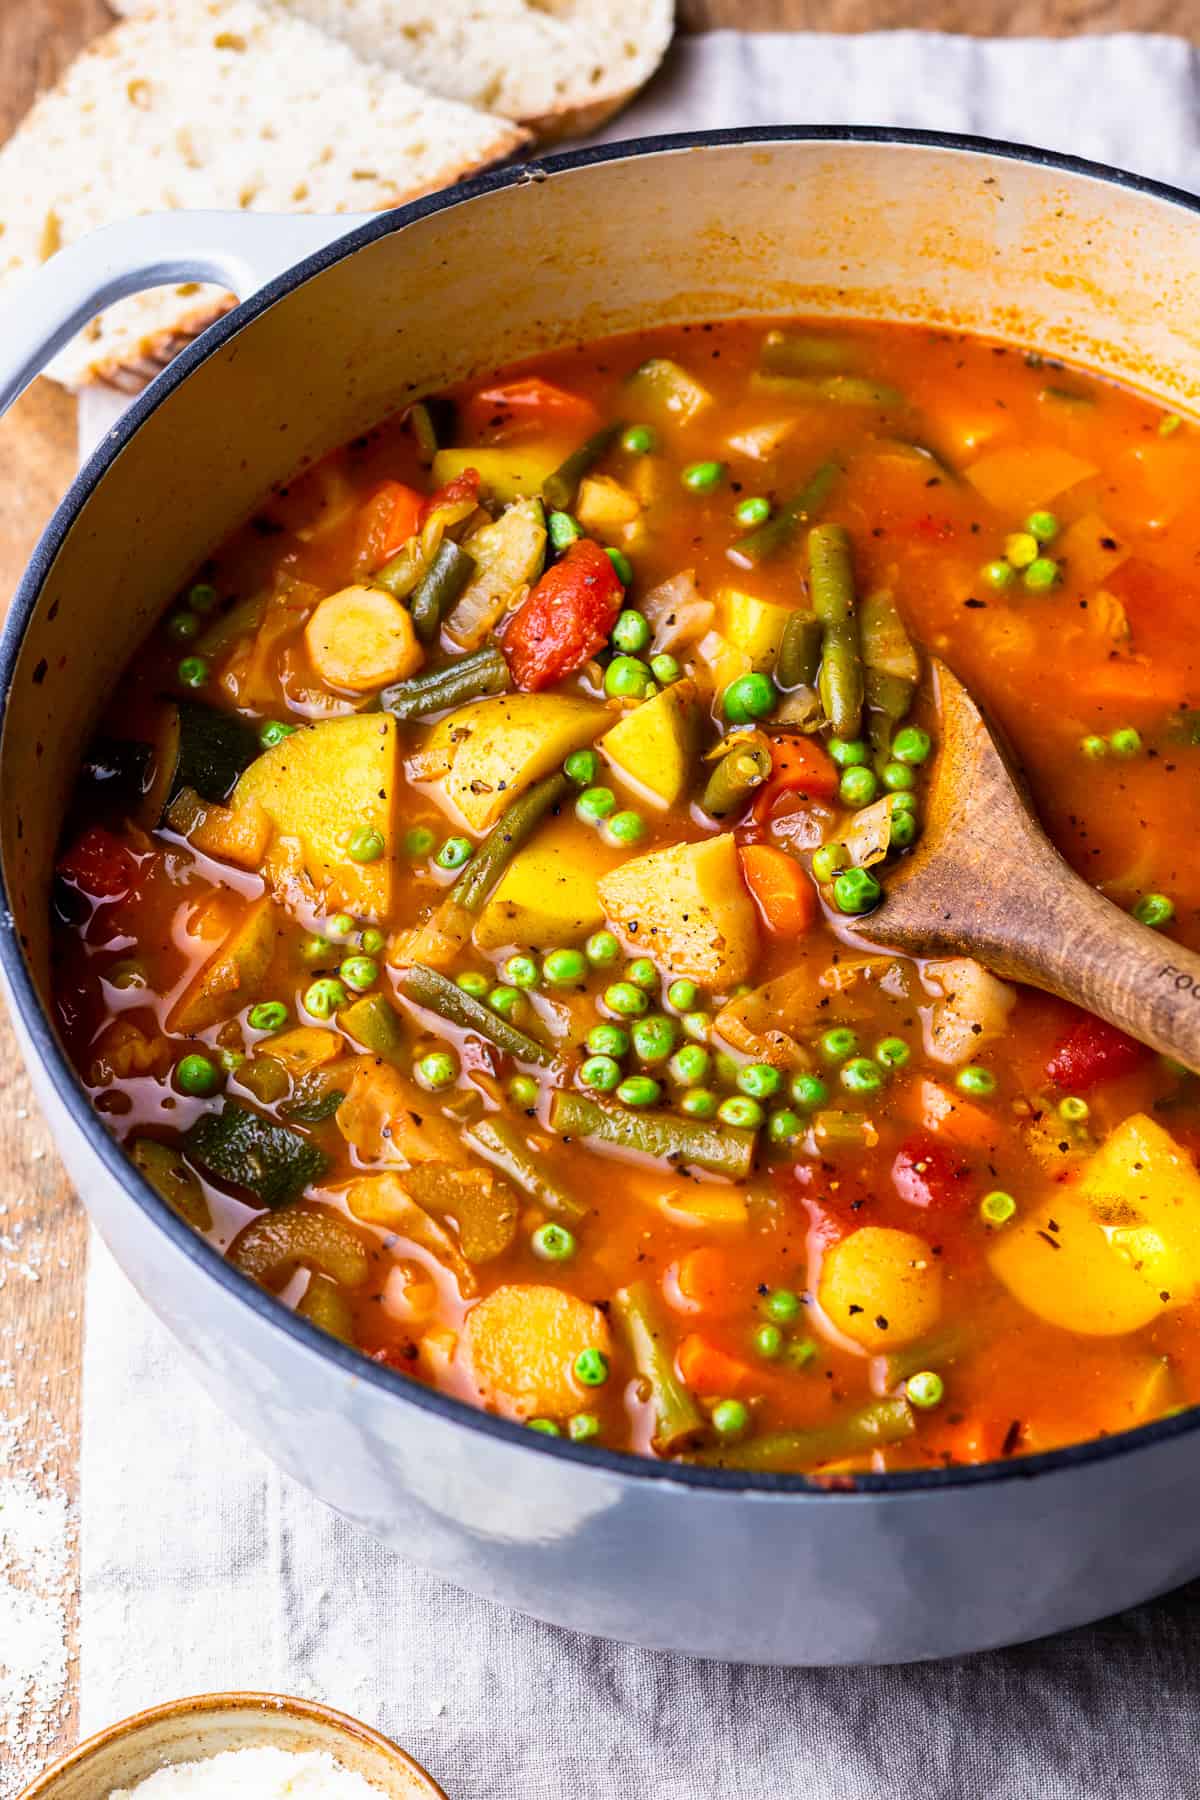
x=560, y=67
x=216, y=103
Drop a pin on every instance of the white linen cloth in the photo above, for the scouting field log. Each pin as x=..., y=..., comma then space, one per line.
x=205, y=1568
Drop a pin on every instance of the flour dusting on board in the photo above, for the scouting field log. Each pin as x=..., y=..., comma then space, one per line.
x=37, y=1531
x=256, y=1773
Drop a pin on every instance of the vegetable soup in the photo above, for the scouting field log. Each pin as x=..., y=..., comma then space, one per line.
x=464, y=914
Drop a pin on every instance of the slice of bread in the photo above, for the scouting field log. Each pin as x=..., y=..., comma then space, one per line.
x=560, y=67
x=216, y=103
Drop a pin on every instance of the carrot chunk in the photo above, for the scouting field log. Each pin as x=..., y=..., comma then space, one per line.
x=781, y=890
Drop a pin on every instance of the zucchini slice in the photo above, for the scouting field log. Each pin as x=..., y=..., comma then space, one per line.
x=241, y=1149
x=201, y=748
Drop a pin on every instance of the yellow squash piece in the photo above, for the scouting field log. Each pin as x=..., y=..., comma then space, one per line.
x=488, y=752
x=360, y=639
x=319, y=786
x=238, y=837
x=231, y=977
x=547, y=895
x=654, y=745
x=753, y=626
x=604, y=508
x=881, y=1288
x=688, y=908
x=520, y=1347
x=505, y=474
x=1118, y=1248
x=1015, y=481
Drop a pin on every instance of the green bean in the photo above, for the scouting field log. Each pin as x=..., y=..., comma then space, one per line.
x=516, y=823
x=560, y=488
x=757, y=545
x=799, y=655
x=840, y=1130
x=502, y=1145
x=804, y=353
x=884, y=1422
x=723, y=1150
x=439, y=587
x=831, y=576
x=745, y=765
x=678, y=1420
x=430, y=989
x=471, y=677
x=926, y=1353
x=432, y=424
x=841, y=390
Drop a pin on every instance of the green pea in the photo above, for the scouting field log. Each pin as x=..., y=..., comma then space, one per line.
x=591, y=1367
x=546, y=1427
x=974, y=1080
x=325, y=997
x=698, y=1026
x=800, y=1353
x=202, y=596
x=1154, y=910
x=436, y=1070
x=1169, y=425
x=341, y=925
x=997, y=1208
x=608, y=1040
x=683, y=995
x=595, y=804
x=366, y=845
x=740, y=1110
x=699, y=1103
x=782, y=1305
x=768, y=1341
x=1094, y=746
x=274, y=732
x=268, y=1015
x=563, y=530
x=653, y=1038
x=784, y=1126
x=583, y=1427
x=316, y=950
x=856, y=891
x=902, y=830
x=849, y=753
x=838, y=1043
x=1041, y=574
x=582, y=767
x=198, y=1075
x=1073, y=1109
x=1021, y=548
x=755, y=509
x=664, y=669
x=359, y=972
x=730, y=1419
x=898, y=778
x=521, y=971
x=1125, y=743
x=372, y=940
x=1043, y=526
x=639, y=1090
x=625, y=828
x=626, y=1000
x=858, y=787
x=998, y=574
x=925, y=1388
x=505, y=1000
x=809, y=1091
x=828, y=859
x=626, y=678
x=553, y=1243
x=523, y=1092
x=563, y=968
x=638, y=440
x=727, y=1067
x=193, y=671
x=602, y=949
x=182, y=627
x=601, y=1073
x=643, y=973
x=631, y=632
x=759, y=1080
x=861, y=1076
x=703, y=477
x=419, y=841
x=750, y=697
x=454, y=853
x=473, y=983
x=624, y=568
x=903, y=802
x=892, y=1052
x=912, y=745
x=690, y=1065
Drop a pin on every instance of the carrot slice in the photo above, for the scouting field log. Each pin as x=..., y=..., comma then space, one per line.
x=388, y=520
x=782, y=891
x=708, y=1369
x=798, y=767
x=703, y=1277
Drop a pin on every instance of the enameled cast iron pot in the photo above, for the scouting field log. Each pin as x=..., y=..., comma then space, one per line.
x=1059, y=256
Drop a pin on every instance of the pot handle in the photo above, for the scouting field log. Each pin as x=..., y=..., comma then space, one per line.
x=239, y=251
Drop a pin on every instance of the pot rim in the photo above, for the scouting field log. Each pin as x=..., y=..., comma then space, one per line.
x=36, y=1019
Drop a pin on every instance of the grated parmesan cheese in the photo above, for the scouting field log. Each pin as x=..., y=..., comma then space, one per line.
x=255, y=1773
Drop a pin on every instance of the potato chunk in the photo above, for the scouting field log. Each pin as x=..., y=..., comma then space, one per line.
x=1118, y=1248
x=520, y=1347
x=320, y=786
x=547, y=895
x=654, y=745
x=361, y=639
x=755, y=626
x=687, y=907
x=232, y=976
x=881, y=1288
x=486, y=753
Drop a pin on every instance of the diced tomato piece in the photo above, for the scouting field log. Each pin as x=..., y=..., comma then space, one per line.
x=99, y=864
x=782, y=891
x=1093, y=1051
x=927, y=1173
x=388, y=520
x=798, y=767
x=529, y=400
x=566, y=618
x=462, y=487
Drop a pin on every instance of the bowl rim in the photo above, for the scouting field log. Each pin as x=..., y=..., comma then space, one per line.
x=43, y=1786
x=36, y=1020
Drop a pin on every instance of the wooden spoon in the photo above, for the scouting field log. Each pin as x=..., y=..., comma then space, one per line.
x=985, y=881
